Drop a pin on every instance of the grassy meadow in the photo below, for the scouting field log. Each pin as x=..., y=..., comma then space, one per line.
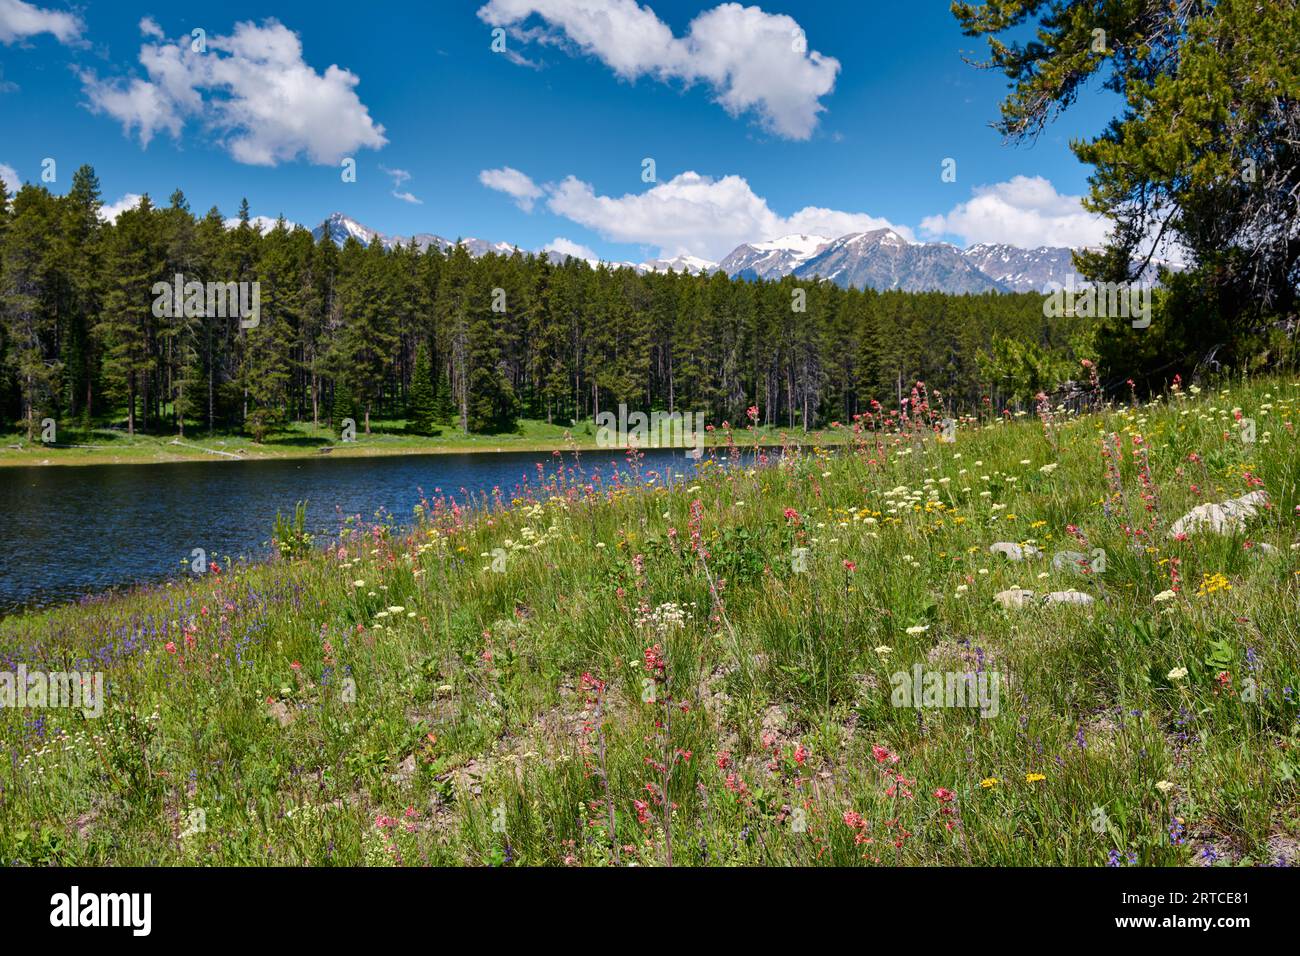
x=619, y=674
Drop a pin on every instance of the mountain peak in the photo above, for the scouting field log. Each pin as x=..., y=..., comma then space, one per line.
x=876, y=258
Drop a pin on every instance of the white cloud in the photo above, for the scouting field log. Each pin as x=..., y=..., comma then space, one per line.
x=698, y=215
x=254, y=91
x=262, y=224
x=19, y=20
x=111, y=211
x=754, y=61
x=9, y=176
x=569, y=248
x=400, y=176
x=149, y=27
x=513, y=183
x=1024, y=211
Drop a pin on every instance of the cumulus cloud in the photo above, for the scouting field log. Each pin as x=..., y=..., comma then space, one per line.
x=252, y=89
x=513, y=183
x=755, y=62
x=9, y=176
x=262, y=224
x=567, y=247
x=698, y=215
x=20, y=20
x=111, y=211
x=1023, y=211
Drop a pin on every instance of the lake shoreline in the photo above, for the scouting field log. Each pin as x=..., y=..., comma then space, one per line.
x=39, y=456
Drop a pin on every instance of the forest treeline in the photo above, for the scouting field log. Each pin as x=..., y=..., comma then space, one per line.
x=442, y=338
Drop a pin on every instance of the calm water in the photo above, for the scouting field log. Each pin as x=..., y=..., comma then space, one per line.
x=70, y=531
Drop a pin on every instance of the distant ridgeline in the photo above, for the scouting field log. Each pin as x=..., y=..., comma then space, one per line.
x=467, y=337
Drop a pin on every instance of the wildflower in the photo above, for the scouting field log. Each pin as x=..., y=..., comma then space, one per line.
x=1164, y=596
x=1164, y=786
x=884, y=650
x=1178, y=673
x=988, y=783
x=1034, y=777
x=882, y=754
x=170, y=647
x=944, y=795
x=918, y=629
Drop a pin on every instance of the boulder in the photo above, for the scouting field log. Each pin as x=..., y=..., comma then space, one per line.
x=1227, y=517
x=1016, y=597
x=1013, y=551
x=1068, y=597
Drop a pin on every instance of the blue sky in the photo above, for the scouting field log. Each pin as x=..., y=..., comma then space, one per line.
x=778, y=137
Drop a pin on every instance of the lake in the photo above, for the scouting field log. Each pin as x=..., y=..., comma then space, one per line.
x=68, y=531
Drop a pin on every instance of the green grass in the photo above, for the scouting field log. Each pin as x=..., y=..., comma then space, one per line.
x=475, y=730
x=108, y=446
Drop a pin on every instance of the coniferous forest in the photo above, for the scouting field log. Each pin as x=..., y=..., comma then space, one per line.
x=443, y=338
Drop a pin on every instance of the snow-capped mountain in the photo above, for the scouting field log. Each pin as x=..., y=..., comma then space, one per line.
x=341, y=229
x=882, y=259
x=772, y=259
x=879, y=259
x=1022, y=270
x=481, y=247
x=684, y=263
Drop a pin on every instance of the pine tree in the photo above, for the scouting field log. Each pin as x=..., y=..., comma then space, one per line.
x=491, y=403
x=421, y=414
x=30, y=294
x=444, y=409
x=269, y=343
x=136, y=261
x=343, y=406
x=80, y=259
